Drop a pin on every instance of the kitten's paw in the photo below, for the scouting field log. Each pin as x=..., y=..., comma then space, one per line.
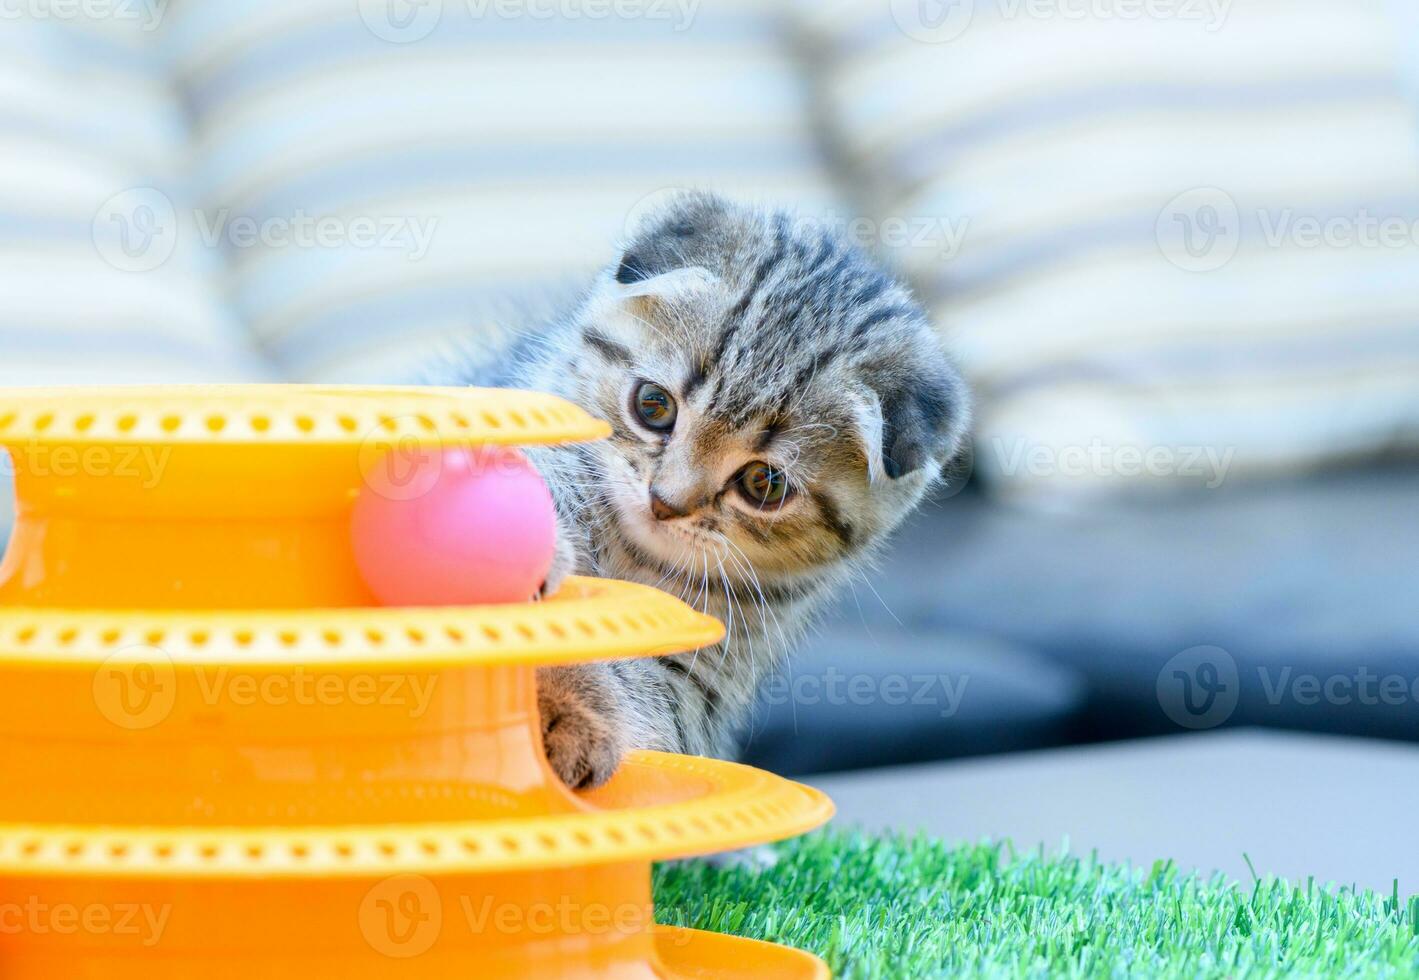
x=581, y=726
x=564, y=562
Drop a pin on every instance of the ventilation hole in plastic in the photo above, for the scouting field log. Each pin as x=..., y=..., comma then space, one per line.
x=289, y=639
x=43, y=422
x=305, y=423
x=255, y=852
x=414, y=635
x=510, y=844
x=493, y=422
x=209, y=852
x=118, y=851
x=348, y=424
x=200, y=638
x=84, y=423
x=526, y=632
x=429, y=847
x=261, y=423
x=74, y=849
x=216, y=423
x=344, y=850
x=517, y=419
x=127, y=423
x=374, y=636
x=244, y=638
x=331, y=638
x=492, y=634
x=388, y=849
x=163, y=852
x=300, y=851
x=7, y=420
x=30, y=848
x=26, y=635
x=171, y=423
x=155, y=638
x=453, y=633
x=470, y=845
x=68, y=636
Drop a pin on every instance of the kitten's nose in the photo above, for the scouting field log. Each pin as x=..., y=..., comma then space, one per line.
x=663, y=509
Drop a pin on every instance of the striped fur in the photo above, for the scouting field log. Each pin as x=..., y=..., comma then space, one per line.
x=778, y=343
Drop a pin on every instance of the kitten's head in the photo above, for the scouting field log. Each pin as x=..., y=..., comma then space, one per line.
x=769, y=388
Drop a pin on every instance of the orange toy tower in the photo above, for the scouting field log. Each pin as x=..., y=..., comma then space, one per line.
x=221, y=760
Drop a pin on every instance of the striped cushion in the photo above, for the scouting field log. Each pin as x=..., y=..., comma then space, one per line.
x=494, y=155
x=1114, y=216
x=91, y=145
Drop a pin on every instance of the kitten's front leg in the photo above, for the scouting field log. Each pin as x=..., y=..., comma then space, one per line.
x=593, y=714
x=584, y=727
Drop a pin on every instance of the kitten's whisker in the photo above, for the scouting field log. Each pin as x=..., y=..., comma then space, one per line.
x=868, y=582
x=763, y=603
x=808, y=426
x=734, y=603
x=674, y=569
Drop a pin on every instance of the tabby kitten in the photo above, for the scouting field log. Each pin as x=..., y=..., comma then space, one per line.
x=778, y=405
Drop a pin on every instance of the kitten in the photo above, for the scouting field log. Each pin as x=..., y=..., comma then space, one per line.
x=778, y=404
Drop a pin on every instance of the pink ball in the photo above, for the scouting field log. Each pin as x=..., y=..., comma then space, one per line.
x=454, y=527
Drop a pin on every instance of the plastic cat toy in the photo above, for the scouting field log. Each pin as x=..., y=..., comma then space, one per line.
x=227, y=757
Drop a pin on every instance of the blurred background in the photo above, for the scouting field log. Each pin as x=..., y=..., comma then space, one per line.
x=1175, y=244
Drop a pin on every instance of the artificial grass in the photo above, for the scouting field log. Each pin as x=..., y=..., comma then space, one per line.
x=914, y=907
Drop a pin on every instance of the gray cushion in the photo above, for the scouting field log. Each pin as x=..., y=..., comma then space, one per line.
x=1313, y=577
x=854, y=698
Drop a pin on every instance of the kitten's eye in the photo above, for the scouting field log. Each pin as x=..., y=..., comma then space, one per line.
x=762, y=484
x=655, y=407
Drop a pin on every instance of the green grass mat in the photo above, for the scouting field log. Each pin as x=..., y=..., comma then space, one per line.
x=899, y=907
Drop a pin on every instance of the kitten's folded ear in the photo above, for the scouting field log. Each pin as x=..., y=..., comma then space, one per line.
x=635, y=279
x=676, y=248
x=633, y=269
x=924, y=420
